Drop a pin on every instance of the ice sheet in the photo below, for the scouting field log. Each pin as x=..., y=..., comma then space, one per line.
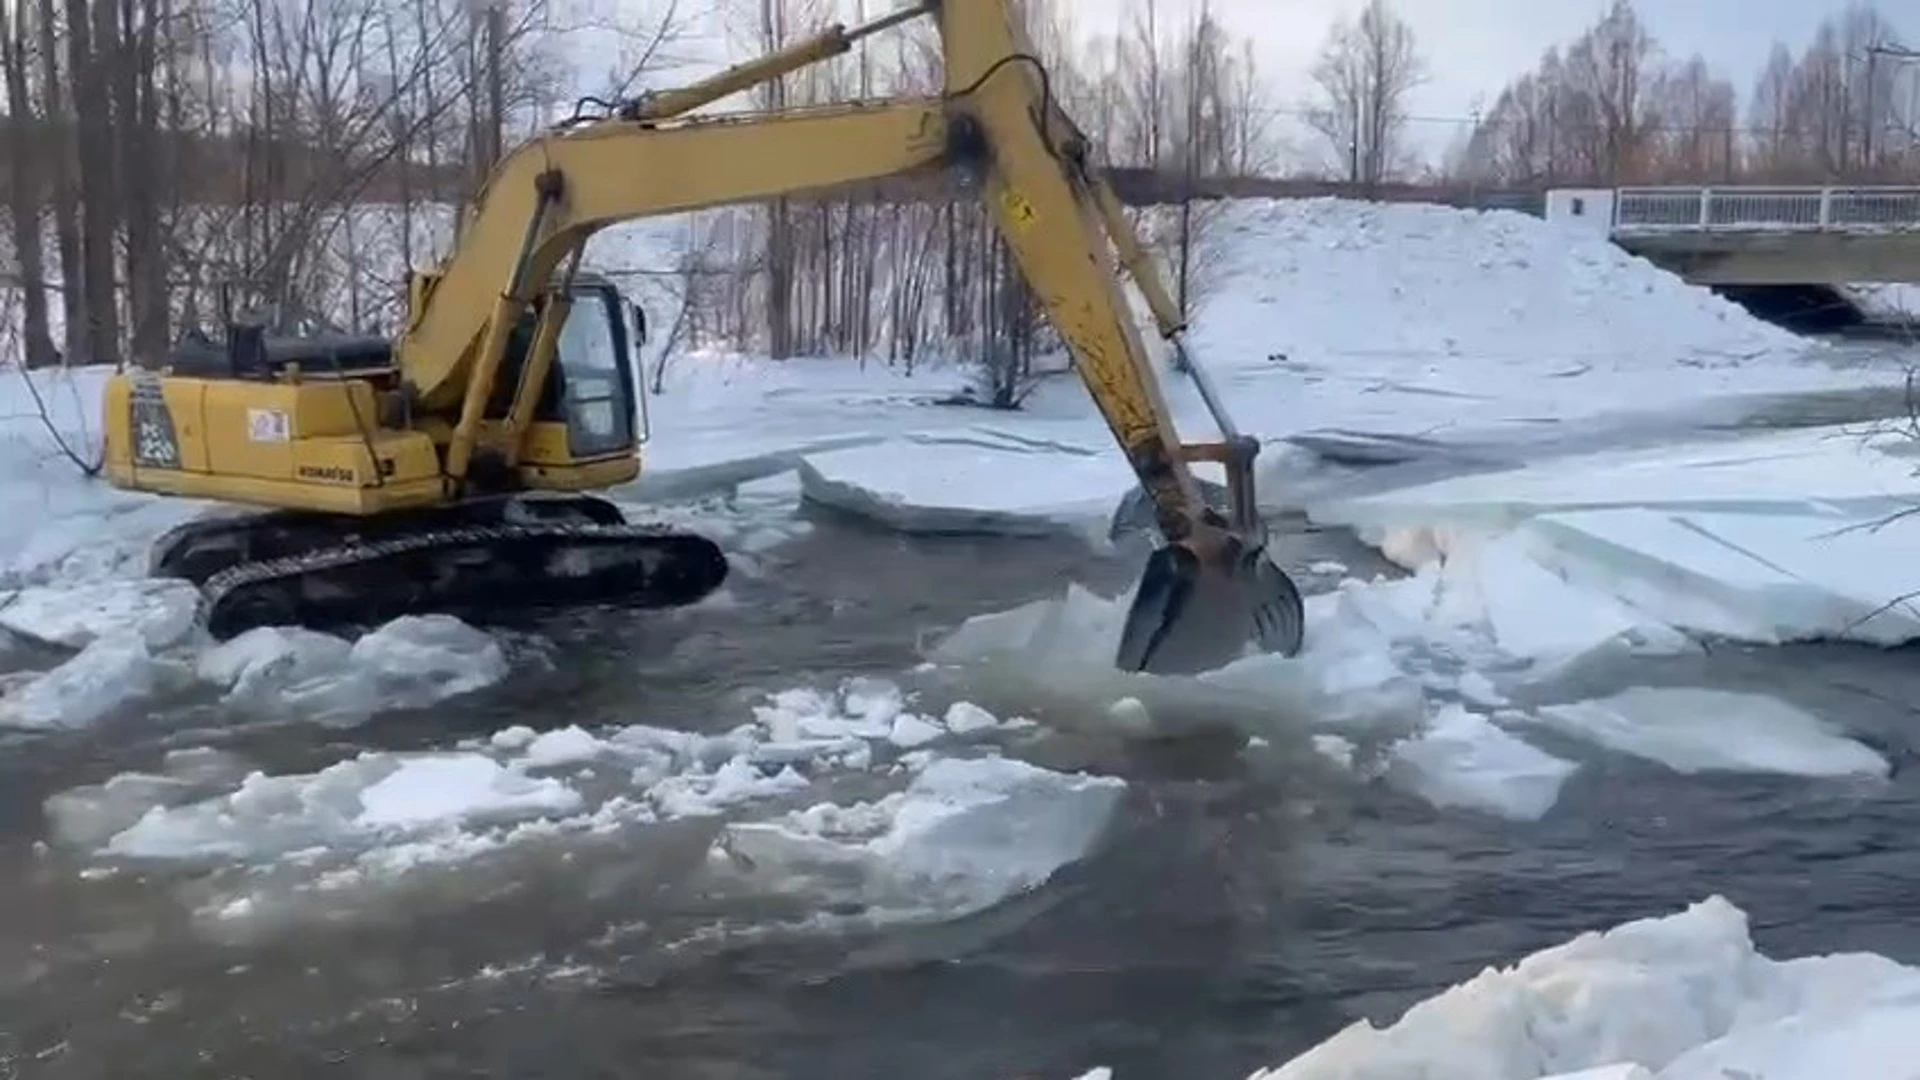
x=1681, y=996
x=289, y=673
x=1053, y=660
x=1463, y=760
x=973, y=481
x=159, y=610
x=1763, y=578
x=1811, y=472
x=1692, y=730
x=113, y=673
x=369, y=821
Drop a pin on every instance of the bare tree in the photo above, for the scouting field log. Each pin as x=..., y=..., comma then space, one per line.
x=1367, y=68
x=25, y=184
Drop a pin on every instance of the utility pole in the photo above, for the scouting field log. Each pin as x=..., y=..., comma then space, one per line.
x=1874, y=53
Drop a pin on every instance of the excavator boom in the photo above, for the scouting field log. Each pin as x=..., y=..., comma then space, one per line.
x=477, y=354
x=1206, y=593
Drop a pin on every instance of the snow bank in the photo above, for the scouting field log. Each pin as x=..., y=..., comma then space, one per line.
x=1890, y=303
x=1679, y=997
x=1324, y=279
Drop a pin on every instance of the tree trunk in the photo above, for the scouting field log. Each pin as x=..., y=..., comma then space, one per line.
x=66, y=210
x=137, y=103
x=90, y=41
x=23, y=190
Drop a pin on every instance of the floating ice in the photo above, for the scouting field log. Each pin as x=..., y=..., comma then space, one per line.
x=1700, y=730
x=111, y=673
x=963, y=836
x=375, y=817
x=1463, y=760
x=1768, y=539
x=419, y=660
x=1052, y=661
x=159, y=610
x=411, y=662
x=976, y=481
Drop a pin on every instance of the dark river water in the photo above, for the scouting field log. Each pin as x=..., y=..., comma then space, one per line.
x=1240, y=910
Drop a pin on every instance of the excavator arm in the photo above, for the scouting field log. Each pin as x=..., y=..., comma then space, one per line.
x=1205, y=593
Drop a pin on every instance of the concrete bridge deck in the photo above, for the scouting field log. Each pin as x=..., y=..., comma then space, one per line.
x=1759, y=236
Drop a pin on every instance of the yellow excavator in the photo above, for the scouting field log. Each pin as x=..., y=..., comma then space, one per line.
x=449, y=469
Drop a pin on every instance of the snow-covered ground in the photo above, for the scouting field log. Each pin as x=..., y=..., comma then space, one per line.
x=1897, y=304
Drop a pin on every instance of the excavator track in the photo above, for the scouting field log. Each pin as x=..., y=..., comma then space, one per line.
x=472, y=570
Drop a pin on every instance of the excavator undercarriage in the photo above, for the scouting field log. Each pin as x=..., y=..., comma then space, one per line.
x=478, y=559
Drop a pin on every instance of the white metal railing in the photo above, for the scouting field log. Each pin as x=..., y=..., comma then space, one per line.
x=1766, y=209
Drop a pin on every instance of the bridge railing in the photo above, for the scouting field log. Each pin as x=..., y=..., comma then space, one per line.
x=1766, y=209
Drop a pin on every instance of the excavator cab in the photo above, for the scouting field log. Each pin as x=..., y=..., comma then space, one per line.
x=589, y=403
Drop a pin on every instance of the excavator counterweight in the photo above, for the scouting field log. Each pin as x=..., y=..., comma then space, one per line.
x=449, y=468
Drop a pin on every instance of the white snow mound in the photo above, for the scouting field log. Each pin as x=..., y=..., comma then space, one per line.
x=1682, y=997
x=1501, y=288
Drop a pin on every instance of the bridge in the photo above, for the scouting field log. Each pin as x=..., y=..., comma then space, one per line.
x=1759, y=236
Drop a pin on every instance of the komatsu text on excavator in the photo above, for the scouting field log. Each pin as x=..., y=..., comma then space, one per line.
x=449, y=470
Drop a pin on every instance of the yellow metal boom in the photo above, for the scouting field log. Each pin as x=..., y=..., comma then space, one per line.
x=997, y=123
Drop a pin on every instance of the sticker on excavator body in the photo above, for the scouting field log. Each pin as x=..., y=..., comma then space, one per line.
x=155, y=443
x=1020, y=212
x=268, y=425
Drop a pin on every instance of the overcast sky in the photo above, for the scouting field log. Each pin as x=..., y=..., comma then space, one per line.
x=1473, y=46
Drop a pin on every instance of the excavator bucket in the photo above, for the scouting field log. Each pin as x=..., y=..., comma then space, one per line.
x=1191, y=614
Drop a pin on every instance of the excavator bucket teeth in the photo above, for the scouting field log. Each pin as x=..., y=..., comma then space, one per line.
x=1189, y=616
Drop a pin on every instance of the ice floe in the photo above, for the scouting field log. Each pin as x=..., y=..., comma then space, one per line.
x=954, y=833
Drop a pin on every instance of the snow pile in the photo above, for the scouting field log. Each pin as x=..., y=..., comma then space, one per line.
x=1326, y=279
x=247, y=838
x=1680, y=997
x=1888, y=303
x=964, y=835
